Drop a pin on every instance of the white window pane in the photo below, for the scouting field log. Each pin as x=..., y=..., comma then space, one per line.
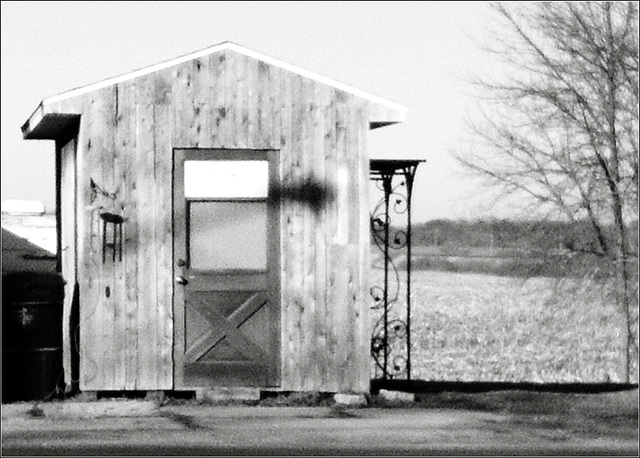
x=228, y=235
x=224, y=179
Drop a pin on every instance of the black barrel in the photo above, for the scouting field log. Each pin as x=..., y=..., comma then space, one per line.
x=31, y=336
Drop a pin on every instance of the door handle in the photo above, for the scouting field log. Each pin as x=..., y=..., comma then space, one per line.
x=181, y=280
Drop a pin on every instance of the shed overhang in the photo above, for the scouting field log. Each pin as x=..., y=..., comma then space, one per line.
x=43, y=125
x=381, y=167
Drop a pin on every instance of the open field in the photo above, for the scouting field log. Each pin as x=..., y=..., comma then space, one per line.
x=473, y=326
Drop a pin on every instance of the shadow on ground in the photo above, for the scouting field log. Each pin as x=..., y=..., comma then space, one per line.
x=604, y=409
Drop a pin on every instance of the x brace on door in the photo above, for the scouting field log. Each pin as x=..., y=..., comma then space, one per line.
x=227, y=328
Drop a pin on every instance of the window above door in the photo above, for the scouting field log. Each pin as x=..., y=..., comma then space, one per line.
x=221, y=179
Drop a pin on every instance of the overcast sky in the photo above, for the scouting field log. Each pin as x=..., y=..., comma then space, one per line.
x=418, y=54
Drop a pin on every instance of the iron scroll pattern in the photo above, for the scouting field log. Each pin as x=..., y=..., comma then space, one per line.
x=391, y=233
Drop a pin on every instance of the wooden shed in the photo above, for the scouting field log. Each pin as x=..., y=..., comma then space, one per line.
x=214, y=224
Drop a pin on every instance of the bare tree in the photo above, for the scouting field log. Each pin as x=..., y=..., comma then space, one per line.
x=560, y=125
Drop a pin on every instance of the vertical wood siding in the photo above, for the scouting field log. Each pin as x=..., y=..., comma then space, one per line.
x=225, y=100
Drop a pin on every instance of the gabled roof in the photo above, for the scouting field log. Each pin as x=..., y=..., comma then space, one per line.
x=393, y=112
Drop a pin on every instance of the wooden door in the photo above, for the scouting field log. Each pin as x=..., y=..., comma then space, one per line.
x=227, y=268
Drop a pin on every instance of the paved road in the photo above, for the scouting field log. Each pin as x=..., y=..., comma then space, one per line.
x=216, y=430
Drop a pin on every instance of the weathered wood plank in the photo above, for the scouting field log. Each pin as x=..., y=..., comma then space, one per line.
x=296, y=306
x=124, y=147
x=181, y=103
x=199, y=77
x=243, y=93
x=253, y=114
x=353, y=185
x=191, y=111
x=130, y=236
x=163, y=87
x=264, y=128
x=201, y=122
x=217, y=98
x=321, y=95
x=352, y=215
x=163, y=246
x=146, y=341
x=338, y=262
x=286, y=296
x=330, y=215
x=94, y=358
x=147, y=259
x=146, y=89
x=163, y=164
x=308, y=365
x=108, y=312
x=342, y=173
x=91, y=297
x=339, y=314
x=231, y=101
x=345, y=284
x=275, y=105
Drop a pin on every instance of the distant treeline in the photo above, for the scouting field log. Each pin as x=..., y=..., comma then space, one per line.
x=522, y=235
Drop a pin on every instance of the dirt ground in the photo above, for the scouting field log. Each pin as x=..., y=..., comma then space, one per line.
x=500, y=422
x=613, y=414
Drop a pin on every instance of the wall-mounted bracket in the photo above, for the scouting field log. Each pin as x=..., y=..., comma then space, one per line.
x=115, y=243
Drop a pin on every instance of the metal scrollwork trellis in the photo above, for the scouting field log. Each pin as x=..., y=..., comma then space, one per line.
x=391, y=339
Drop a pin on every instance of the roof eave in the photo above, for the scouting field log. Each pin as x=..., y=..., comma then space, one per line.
x=29, y=125
x=381, y=115
x=44, y=125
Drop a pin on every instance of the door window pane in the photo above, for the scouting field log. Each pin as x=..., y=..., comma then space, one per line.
x=224, y=179
x=228, y=235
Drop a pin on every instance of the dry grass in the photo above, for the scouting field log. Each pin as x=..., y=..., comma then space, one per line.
x=477, y=327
